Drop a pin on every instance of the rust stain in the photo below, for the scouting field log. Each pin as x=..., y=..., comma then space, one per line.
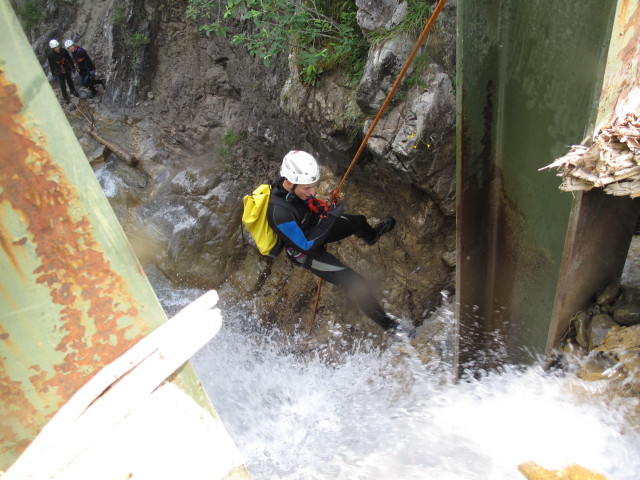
x=94, y=298
x=622, y=67
x=5, y=243
x=17, y=411
x=630, y=31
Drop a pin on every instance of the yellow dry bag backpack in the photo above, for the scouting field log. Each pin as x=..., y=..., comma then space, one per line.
x=254, y=218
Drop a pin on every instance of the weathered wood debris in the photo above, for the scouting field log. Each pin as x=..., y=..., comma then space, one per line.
x=611, y=162
x=116, y=149
x=533, y=471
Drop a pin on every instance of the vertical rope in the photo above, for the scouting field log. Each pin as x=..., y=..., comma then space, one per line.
x=401, y=75
x=396, y=84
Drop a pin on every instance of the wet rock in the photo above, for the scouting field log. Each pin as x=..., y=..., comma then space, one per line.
x=623, y=343
x=609, y=294
x=627, y=306
x=449, y=258
x=622, y=338
x=580, y=324
x=599, y=367
x=97, y=154
x=592, y=309
x=194, y=181
x=630, y=294
x=380, y=14
x=627, y=314
x=326, y=111
x=598, y=328
x=418, y=144
x=383, y=65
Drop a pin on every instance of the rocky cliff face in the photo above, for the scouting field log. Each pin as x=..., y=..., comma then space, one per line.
x=208, y=123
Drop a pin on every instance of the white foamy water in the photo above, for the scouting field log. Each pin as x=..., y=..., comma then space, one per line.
x=380, y=413
x=108, y=181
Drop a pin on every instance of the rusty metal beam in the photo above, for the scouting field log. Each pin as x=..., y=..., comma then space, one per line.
x=528, y=78
x=73, y=296
x=601, y=226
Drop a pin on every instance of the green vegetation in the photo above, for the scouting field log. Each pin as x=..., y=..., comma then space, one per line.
x=138, y=40
x=117, y=17
x=323, y=33
x=354, y=119
x=418, y=13
x=230, y=139
x=420, y=63
x=30, y=14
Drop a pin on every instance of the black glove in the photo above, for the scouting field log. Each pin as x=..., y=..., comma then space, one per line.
x=337, y=210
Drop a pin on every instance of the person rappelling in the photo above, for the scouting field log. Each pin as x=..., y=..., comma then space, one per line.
x=305, y=224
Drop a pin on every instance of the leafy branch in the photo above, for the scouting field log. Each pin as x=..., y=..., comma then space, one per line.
x=324, y=33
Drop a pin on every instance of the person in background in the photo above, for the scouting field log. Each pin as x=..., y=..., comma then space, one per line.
x=61, y=66
x=305, y=224
x=84, y=67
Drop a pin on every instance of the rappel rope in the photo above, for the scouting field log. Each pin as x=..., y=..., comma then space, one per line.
x=336, y=192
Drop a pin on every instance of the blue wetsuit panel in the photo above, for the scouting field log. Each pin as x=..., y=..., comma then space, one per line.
x=292, y=230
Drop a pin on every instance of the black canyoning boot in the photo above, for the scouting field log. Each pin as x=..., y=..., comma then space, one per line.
x=383, y=226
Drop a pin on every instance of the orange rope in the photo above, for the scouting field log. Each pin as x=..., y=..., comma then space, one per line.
x=401, y=75
x=396, y=84
x=313, y=317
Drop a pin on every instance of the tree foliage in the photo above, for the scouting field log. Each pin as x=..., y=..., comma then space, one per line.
x=323, y=33
x=30, y=14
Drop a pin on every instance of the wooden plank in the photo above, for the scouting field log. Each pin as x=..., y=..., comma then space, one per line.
x=117, y=389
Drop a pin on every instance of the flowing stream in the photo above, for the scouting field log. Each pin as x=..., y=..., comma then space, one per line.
x=374, y=412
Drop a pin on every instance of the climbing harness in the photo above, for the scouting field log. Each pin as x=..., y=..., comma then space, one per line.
x=335, y=195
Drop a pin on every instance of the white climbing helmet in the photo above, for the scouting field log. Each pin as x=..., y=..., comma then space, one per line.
x=68, y=43
x=300, y=168
x=53, y=43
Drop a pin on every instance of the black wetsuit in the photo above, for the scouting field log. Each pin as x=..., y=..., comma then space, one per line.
x=304, y=235
x=61, y=66
x=85, y=68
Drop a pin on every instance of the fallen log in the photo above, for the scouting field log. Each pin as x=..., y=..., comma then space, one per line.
x=117, y=150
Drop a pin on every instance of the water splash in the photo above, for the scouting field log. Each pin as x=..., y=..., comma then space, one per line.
x=381, y=413
x=108, y=181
